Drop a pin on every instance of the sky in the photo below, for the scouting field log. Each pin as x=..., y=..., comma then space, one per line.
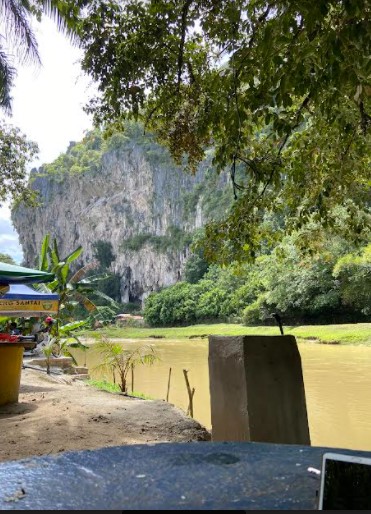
x=48, y=105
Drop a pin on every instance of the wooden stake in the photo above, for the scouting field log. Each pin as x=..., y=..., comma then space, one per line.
x=132, y=377
x=168, y=386
x=190, y=394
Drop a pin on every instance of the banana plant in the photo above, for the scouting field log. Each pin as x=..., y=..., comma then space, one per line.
x=61, y=342
x=65, y=338
x=73, y=287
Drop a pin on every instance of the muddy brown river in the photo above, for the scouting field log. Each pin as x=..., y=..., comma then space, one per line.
x=337, y=382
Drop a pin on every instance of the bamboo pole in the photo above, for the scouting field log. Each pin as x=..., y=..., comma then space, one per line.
x=190, y=393
x=168, y=386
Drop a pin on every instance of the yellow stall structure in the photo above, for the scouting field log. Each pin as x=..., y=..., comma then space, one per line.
x=19, y=300
x=11, y=358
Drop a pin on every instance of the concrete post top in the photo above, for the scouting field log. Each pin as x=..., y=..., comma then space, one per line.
x=250, y=337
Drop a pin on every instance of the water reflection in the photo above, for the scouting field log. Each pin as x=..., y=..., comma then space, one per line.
x=337, y=383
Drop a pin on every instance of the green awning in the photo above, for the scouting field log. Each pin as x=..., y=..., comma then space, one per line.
x=12, y=274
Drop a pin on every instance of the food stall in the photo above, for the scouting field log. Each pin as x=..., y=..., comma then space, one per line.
x=11, y=347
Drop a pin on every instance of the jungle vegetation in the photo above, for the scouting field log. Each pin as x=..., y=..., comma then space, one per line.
x=332, y=285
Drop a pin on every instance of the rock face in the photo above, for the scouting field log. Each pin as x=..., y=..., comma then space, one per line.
x=129, y=199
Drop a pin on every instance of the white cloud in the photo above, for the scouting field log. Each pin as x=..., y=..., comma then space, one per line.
x=48, y=107
x=8, y=236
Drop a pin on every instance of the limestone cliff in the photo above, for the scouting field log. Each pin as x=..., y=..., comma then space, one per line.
x=134, y=198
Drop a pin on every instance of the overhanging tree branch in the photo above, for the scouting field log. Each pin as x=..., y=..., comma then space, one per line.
x=185, y=9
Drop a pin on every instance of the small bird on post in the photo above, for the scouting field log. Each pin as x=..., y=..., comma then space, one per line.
x=277, y=317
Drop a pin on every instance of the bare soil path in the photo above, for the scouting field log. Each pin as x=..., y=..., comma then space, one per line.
x=56, y=414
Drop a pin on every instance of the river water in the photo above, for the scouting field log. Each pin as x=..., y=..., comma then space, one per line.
x=337, y=382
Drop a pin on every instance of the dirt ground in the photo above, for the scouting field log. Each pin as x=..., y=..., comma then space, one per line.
x=56, y=414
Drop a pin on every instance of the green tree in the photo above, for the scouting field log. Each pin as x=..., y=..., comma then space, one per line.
x=173, y=305
x=75, y=289
x=195, y=268
x=19, y=46
x=353, y=273
x=280, y=89
x=4, y=257
x=103, y=253
x=15, y=153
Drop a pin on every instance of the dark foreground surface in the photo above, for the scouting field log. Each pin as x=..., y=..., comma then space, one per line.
x=199, y=475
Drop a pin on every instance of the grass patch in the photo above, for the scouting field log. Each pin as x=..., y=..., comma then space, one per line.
x=103, y=385
x=137, y=394
x=355, y=333
x=352, y=333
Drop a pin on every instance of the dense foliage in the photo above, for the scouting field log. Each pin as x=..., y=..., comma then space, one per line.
x=175, y=239
x=86, y=156
x=280, y=89
x=331, y=286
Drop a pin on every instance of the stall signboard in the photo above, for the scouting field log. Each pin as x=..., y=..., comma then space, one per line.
x=23, y=301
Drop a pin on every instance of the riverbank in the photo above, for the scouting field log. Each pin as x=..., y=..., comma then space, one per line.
x=56, y=414
x=351, y=333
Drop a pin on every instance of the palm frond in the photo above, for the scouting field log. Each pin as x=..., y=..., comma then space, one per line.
x=65, y=269
x=54, y=259
x=7, y=74
x=65, y=16
x=18, y=31
x=100, y=277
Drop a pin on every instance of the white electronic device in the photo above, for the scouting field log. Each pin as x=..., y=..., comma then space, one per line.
x=345, y=482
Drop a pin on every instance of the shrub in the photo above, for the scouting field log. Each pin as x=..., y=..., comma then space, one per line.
x=256, y=312
x=353, y=273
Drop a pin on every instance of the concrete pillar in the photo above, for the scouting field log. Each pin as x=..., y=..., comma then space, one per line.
x=257, y=390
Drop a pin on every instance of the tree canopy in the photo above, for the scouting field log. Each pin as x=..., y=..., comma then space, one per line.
x=280, y=89
x=15, y=152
